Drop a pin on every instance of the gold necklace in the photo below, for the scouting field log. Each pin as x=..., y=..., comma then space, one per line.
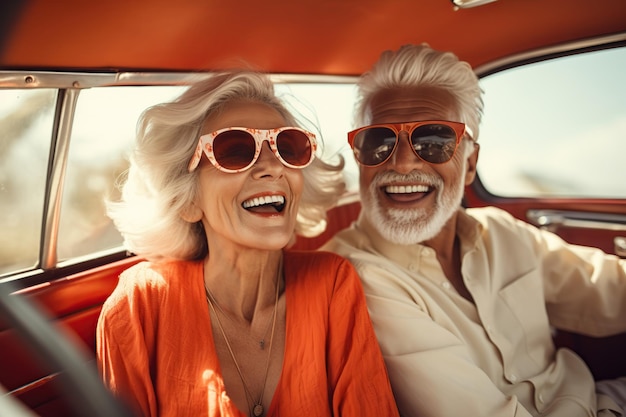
x=257, y=409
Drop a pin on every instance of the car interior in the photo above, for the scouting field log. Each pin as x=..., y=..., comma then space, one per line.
x=74, y=77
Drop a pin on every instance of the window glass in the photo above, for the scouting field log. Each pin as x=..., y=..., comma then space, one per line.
x=26, y=118
x=102, y=133
x=327, y=110
x=556, y=128
x=103, y=130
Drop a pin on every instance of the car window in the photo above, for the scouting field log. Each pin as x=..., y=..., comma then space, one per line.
x=553, y=128
x=26, y=123
x=102, y=132
x=556, y=128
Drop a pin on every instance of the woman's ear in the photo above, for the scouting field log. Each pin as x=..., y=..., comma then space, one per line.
x=192, y=213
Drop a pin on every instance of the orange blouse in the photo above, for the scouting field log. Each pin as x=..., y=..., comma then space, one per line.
x=156, y=348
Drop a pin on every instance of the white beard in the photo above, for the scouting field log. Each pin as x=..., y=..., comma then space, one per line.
x=410, y=226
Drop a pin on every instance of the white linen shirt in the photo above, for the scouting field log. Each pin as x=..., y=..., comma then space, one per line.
x=447, y=356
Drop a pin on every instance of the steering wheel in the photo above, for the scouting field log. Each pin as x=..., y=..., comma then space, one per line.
x=86, y=393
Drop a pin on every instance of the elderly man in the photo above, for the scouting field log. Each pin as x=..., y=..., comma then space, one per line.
x=463, y=301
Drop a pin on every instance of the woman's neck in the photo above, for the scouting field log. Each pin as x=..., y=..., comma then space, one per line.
x=244, y=282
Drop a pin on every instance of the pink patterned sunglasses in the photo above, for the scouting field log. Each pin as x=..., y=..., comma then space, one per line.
x=236, y=149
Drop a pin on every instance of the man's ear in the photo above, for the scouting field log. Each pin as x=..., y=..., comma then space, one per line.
x=192, y=213
x=472, y=160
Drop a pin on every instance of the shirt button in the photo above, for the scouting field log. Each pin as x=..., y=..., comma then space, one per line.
x=446, y=285
x=412, y=267
x=541, y=399
x=513, y=378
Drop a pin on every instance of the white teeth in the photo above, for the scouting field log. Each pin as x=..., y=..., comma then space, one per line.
x=405, y=189
x=260, y=201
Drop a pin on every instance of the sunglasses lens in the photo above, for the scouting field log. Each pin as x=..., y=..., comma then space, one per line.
x=434, y=143
x=372, y=146
x=234, y=149
x=294, y=147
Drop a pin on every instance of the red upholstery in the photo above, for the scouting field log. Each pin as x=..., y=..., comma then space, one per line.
x=339, y=218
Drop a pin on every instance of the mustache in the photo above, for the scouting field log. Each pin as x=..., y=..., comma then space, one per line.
x=389, y=177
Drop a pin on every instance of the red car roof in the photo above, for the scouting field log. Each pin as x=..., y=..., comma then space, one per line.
x=305, y=36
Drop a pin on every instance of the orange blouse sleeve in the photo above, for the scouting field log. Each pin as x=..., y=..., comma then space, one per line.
x=356, y=367
x=125, y=344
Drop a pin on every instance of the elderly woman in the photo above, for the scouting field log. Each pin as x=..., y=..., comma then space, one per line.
x=222, y=320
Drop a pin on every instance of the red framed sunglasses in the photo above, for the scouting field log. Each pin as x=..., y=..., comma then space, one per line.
x=236, y=149
x=433, y=141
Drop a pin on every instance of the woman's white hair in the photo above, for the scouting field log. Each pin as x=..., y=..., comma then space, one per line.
x=158, y=187
x=413, y=66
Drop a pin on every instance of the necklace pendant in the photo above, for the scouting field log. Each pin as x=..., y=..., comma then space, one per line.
x=262, y=344
x=257, y=410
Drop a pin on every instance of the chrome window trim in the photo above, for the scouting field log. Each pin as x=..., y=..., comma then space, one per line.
x=80, y=80
x=551, y=51
x=57, y=167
